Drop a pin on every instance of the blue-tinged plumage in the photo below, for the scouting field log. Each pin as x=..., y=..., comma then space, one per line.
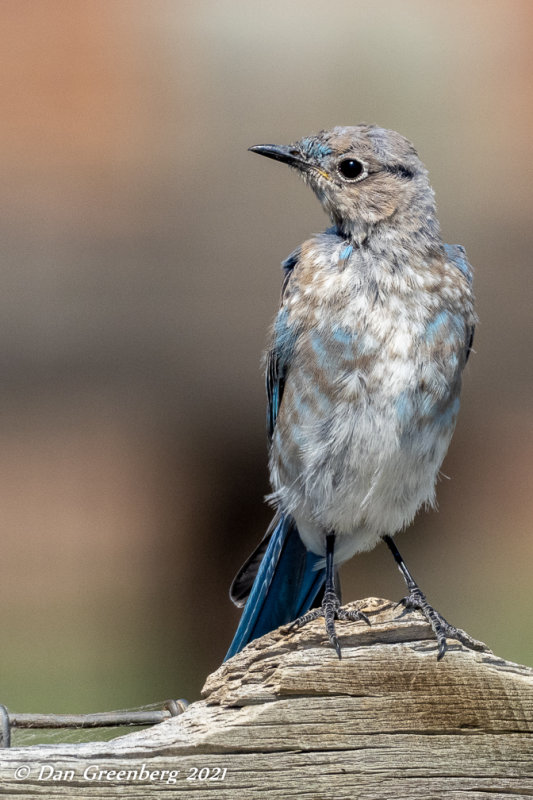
x=290, y=262
x=363, y=376
x=286, y=585
x=346, y=252
x=278, y=360
x=313, y=148
x=436, y=325
x=457, y=255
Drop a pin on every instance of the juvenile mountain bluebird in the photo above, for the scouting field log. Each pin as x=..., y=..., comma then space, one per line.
x=363, y=377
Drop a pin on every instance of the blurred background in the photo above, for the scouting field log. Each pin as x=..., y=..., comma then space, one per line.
x=141, y=246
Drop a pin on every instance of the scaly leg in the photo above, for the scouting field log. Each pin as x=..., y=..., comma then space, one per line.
x=417, y=599
x=331, y=605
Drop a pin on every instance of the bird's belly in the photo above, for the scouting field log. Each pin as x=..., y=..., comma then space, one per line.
x=357, y=445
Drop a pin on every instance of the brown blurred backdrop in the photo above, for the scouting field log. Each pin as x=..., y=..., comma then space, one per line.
x=140, y=269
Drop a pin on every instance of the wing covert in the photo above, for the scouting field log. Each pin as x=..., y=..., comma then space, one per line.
x=279, y=356
x=457, y=255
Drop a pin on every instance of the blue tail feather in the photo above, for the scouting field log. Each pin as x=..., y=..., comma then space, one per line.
x=285, y=587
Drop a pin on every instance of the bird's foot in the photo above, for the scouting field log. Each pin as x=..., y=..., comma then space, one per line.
x=442, y=629
x=331, y=610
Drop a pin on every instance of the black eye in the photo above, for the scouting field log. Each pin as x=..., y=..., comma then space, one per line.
x=350, y=168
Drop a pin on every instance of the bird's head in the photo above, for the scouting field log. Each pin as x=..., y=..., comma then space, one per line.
x=363, y=175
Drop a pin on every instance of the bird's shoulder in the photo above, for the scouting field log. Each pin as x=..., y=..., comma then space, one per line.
x=317, y=245
x=321, y=250
x=456, y=254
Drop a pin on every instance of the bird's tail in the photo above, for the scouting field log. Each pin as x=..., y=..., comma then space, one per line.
x=280, y=582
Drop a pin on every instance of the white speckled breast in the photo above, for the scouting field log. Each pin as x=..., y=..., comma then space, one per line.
x=371, y=394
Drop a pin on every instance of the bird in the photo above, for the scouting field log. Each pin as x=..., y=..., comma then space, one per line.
x=363, y=376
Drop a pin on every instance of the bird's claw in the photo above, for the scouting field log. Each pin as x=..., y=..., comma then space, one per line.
x=331, y=610
x=442, y=629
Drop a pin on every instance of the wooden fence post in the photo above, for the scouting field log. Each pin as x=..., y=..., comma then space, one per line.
x=286, y=719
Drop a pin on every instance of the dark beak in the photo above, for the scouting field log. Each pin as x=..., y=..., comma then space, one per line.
x=281, y=152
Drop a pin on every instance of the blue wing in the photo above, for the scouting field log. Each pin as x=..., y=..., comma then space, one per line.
x=279, y=581
x=279, y=356
x=457, y=255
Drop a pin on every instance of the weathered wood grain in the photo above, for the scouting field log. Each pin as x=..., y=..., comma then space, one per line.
x=286, y=719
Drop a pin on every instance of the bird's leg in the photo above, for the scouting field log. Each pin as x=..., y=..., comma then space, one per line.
x=417, y=599
x=331, y=604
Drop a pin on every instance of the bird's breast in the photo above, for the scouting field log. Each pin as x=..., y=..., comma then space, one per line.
x=371, y=362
